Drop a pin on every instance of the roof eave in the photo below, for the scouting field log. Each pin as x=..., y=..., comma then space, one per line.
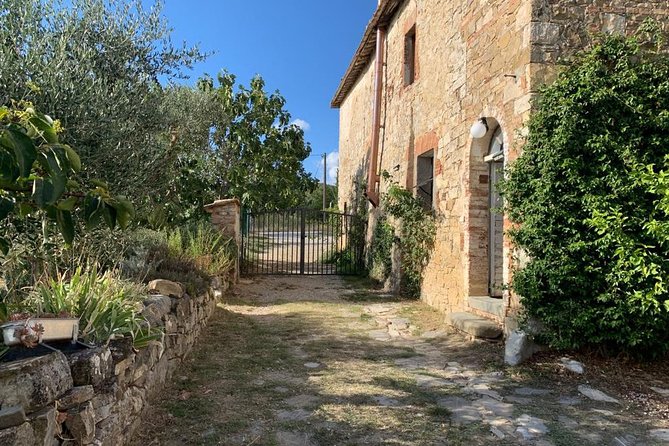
x=382, y=16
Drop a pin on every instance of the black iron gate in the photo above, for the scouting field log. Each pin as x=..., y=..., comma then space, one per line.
x=302, y=241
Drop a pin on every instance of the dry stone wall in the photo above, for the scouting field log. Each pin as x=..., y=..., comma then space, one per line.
x=97, y=396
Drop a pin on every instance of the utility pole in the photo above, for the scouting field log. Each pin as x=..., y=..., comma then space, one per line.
x=325, y=178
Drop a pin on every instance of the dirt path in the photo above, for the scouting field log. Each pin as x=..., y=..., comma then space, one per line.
x=323, y=361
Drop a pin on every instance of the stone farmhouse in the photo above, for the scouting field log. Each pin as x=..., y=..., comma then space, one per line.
x=437, y=94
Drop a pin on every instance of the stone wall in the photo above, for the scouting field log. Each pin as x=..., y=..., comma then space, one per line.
x=97, y=396
x=560, y=27
x=471, y=60
x=475, y=58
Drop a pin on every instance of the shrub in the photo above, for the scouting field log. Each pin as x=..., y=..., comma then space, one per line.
x=107, y=307
x=590, y=197
x=204, y=246
x=416, y=235
x=380, y=253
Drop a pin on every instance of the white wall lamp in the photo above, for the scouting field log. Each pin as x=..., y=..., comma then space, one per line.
x=479, y=129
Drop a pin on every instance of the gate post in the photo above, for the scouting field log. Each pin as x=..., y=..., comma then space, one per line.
x=225, y=215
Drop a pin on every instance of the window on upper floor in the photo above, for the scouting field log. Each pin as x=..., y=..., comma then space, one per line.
x=425, y=178
x=410, y=57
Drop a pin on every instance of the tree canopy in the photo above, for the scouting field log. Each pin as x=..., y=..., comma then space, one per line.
x=109, y=71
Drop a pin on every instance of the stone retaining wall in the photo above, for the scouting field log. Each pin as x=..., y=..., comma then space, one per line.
x=97, y=396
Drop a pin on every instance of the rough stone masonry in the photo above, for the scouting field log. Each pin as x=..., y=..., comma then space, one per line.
x=473, y=59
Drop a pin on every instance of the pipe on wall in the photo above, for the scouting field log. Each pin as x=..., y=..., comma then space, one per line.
x=373, y=174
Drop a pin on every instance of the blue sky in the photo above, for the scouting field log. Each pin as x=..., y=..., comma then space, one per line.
x=300, y=47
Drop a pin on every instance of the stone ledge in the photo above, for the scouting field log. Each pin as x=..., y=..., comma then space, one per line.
x=488, y=305
x=474, y=325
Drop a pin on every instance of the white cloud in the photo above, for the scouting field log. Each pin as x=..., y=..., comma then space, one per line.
x=333, y=166
x=301, y=123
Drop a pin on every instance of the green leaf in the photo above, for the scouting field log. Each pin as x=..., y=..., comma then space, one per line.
x=48, y=133
x=109, y=215
x=100, y=183
x=4, y=245
x=66, y=225
x=25, y=209
x=67, y=204
x=6, y=206
x=23, y=148
x=92, y=210
x=125, y=212
x=41, y=192
x=73, y=158
x=9, y=171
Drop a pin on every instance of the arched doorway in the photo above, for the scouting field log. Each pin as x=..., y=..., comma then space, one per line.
x=495, y=161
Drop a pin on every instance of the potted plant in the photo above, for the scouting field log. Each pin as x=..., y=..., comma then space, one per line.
x=29, y=331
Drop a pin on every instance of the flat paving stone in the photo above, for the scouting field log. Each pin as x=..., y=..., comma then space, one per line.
x=660, y=434
x=530, y=427
x=312, y=365
x=596, y=395
x=431, y=382
x=379, y=335
x=570, y=400
x=529, y=391
x=495, y=407
x=484, y=390
x=415, y=362
x=433, y=334
x=462, y=410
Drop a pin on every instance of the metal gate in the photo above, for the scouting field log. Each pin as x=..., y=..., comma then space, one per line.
x=302, y=241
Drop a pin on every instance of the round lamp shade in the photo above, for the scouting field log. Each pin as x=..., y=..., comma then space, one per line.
x=479, y=129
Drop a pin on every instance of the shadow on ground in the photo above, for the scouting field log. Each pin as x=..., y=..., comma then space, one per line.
x=319, y=361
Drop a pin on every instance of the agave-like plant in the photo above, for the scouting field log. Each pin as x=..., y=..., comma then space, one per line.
x=107, y=307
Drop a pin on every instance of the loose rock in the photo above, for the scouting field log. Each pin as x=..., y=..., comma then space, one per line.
x=166, y=287
x=519, y=348
x=596, y=395
x=573, y=366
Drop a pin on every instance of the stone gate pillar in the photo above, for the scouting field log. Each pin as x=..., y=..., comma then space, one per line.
x=225, y=215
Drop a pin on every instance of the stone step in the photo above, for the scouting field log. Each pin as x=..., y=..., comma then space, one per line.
x=475, y=325
x=488, y=305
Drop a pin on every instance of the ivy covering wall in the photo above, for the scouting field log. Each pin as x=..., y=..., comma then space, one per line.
x=590, y=200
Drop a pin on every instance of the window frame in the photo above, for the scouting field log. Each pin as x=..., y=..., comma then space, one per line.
x=409, y=66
